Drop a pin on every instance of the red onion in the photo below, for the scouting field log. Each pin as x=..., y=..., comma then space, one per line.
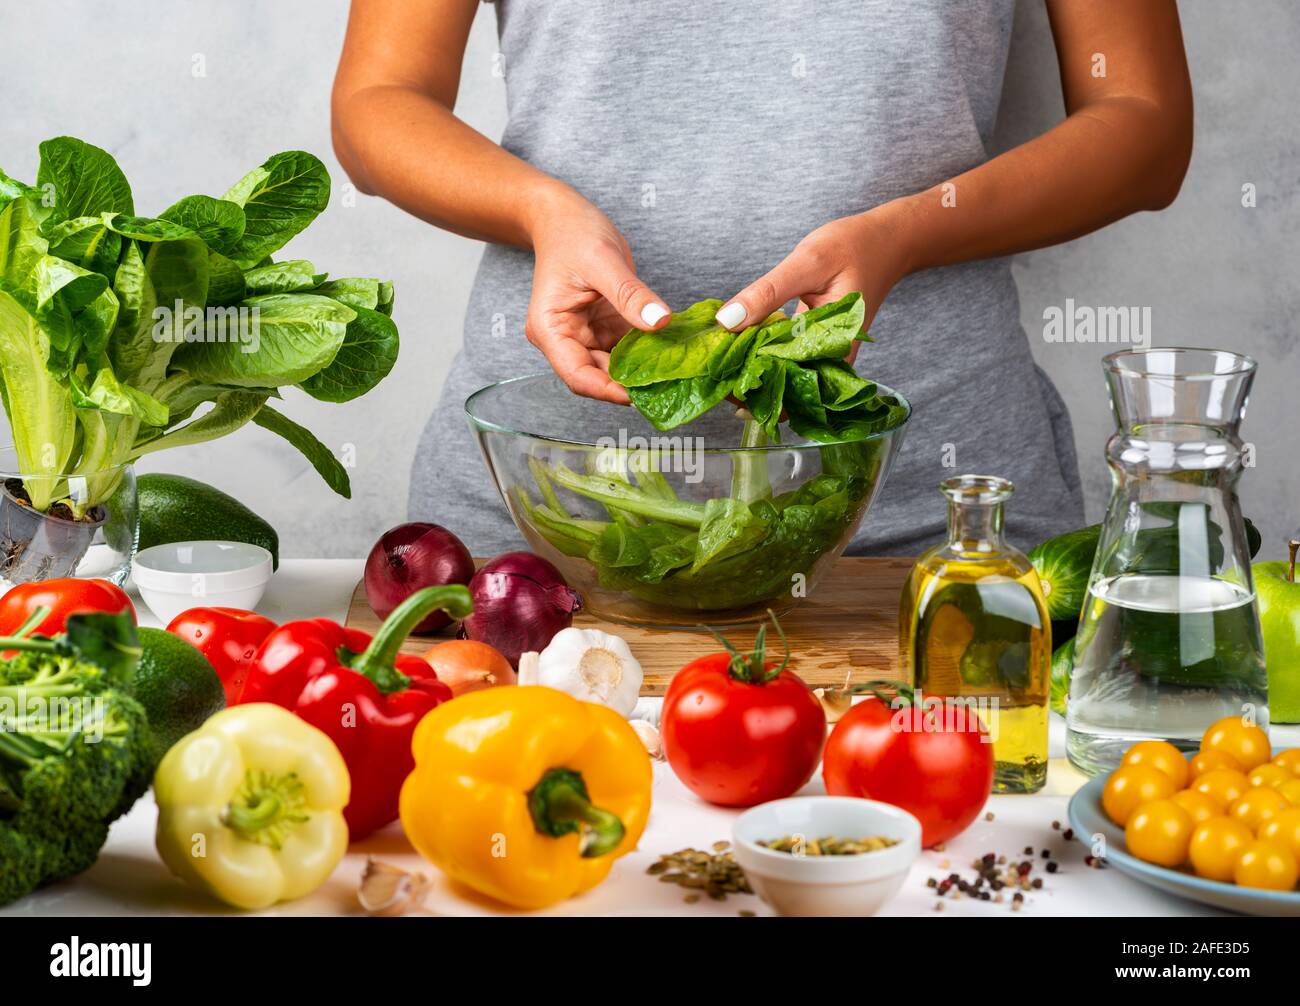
x=411, y=557
x=520, y=602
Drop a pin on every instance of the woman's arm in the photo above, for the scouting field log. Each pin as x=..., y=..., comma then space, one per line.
x=396, y=136
x=1123, y=147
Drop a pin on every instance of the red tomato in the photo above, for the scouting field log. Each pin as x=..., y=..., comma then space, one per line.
x=228, y=637
x=737, y=738
x=65, y=597
x=940, y=769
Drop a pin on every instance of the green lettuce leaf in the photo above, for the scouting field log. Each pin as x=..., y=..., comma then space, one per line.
x=297, y=336
x=377, y=295
x=279, y=199
x=230, y=411
x=87, y=242
x=82, y=179
x=368, y=353
x=293, y=276
x=685, y=348
x=219, y=222
x=821, y=333
x=321, y=457
x=108, y=394
x=21, y=244
x=44, y=428
x=225, y=281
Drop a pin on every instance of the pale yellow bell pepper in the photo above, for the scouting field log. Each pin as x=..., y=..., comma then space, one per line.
x=250, y=806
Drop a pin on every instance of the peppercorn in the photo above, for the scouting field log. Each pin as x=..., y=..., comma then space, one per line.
x=1052, y=867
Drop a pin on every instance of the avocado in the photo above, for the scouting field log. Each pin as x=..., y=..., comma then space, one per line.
x=177, y=686
x=176, y=508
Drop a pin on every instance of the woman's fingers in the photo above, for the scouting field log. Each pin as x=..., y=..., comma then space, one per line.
x=806, y=270
x=799, y=273
x=584, y=370
x=635, y=302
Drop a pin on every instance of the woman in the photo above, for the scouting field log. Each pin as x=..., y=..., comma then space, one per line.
x=660, y=153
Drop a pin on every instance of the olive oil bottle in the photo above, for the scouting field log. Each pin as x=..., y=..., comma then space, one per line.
x=973, y=626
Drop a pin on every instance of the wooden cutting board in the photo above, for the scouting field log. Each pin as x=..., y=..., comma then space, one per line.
x=849, y=624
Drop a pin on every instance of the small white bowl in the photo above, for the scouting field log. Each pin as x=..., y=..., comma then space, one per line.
x=180, y=575
x=826, y=885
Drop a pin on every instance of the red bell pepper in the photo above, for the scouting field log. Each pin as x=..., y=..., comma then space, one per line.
x=68, y=596
x=228, y=637
x=364, y=694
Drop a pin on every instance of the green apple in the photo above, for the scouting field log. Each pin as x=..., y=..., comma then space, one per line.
x=1278, y=591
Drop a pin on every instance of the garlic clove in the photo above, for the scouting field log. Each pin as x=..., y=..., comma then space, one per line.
x=529, y=667
x=389, y=890
x=836, y=701
x=649, y=735
x=648, y=708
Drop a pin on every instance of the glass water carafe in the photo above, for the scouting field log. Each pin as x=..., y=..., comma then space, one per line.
x=1169, y=638
x=973, y=627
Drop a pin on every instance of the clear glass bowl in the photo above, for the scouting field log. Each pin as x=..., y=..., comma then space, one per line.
x=678, y=528
x=78, y=525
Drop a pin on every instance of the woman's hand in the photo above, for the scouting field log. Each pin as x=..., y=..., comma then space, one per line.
x=586, y=293
x=866, y=253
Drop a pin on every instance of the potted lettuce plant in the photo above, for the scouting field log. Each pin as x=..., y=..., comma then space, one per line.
x=122, y=335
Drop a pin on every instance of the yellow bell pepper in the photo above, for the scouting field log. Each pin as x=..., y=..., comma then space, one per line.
x=526, y=794
x=250, y=806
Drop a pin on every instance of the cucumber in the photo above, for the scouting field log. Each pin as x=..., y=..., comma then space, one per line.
x=1064, y=564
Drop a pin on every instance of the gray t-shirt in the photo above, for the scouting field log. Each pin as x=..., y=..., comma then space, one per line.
x=717, y=135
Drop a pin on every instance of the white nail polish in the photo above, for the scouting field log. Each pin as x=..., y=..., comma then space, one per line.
x=731, y=315
x=651, y=313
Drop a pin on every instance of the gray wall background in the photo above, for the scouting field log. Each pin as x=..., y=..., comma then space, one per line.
x=189, y=95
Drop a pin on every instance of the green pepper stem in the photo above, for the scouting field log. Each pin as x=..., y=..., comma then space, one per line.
x=560, y=805
x=266, y=808
x=247, y=818
x=33, y=620
x=377, y=661
x=24, y=643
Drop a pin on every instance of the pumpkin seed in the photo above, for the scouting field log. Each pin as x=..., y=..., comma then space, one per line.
x=800, y=845
x=715, y=873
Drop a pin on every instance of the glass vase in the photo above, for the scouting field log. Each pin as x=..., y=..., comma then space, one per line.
x=79, y=524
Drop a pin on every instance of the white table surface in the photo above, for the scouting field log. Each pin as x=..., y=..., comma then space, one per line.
x=130, y=879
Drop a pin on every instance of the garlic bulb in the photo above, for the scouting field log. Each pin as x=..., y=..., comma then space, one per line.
x=588, y=664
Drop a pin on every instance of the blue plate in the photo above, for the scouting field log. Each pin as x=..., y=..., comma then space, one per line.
x=1088, y=818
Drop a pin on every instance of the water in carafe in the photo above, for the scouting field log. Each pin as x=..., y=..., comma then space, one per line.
x=1169, y=637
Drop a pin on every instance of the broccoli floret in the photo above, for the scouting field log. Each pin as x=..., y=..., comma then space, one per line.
x=75, y=754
